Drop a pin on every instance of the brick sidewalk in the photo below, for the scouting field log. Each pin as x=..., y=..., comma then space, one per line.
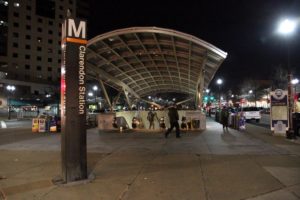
x=213, y=164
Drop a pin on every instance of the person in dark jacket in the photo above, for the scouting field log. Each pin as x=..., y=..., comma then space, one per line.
x=224, y=117
x=173, y=117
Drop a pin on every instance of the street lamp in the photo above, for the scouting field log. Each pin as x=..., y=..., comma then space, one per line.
x=219, y=82
x=11, y=89
x=95, y=88
x=295, y=81
x=286, y=28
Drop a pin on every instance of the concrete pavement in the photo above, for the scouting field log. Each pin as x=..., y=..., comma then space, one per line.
x=209, y=165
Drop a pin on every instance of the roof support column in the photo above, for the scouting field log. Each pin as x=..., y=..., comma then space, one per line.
x=116, y=99
x=127, y=99
x=200, y=90
x=105, y=93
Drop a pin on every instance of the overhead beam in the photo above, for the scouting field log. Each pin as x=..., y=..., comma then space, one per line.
x=152, y=103
x=181, y=102
x=104, y=75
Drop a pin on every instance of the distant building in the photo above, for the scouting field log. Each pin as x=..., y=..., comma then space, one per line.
x=30, y=41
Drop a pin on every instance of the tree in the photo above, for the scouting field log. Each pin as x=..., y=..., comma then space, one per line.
x=279, y=78
x=258, y=88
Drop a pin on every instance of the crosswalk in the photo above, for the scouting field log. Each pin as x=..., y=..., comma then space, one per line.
x=3, y=124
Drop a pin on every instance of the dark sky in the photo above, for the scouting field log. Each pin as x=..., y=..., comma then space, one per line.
x=245, y=29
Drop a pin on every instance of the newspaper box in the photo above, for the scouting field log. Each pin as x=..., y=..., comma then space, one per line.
x=42, y=125
x=35, y=125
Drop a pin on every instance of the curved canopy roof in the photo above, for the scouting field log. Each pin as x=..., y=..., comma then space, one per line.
x=150, y=60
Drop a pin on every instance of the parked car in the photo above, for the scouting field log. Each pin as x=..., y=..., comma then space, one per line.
x=251, y=113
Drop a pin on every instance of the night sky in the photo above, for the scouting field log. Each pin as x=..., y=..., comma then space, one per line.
x=245, y=29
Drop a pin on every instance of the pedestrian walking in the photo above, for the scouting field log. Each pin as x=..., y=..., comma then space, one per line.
x=173, y=117
x=224, y=117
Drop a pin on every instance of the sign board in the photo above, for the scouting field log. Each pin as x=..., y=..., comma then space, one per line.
x=73, y=94
x=279, y=111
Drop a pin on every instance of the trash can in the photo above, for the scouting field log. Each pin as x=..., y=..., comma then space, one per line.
x=296, y=123
x=53, y=126
x=217, y=116
x=42, y=125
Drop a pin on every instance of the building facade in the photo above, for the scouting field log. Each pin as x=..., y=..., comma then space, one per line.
x=30, y=41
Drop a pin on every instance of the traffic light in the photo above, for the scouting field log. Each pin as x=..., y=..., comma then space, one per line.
x=208, y=98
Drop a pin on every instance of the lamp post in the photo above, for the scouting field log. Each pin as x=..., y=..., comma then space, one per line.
x=11, y=89
x=286, y=28
x=219, y=82
x=95, y=88
x=250, y=93
x=294, y=82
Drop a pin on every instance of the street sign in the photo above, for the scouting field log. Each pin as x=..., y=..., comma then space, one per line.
x=279, y=111
x=73, y=93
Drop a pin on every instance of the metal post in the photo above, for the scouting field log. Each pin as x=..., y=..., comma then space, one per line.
x=219, y=96
x=290, y=132
x=8, y=104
